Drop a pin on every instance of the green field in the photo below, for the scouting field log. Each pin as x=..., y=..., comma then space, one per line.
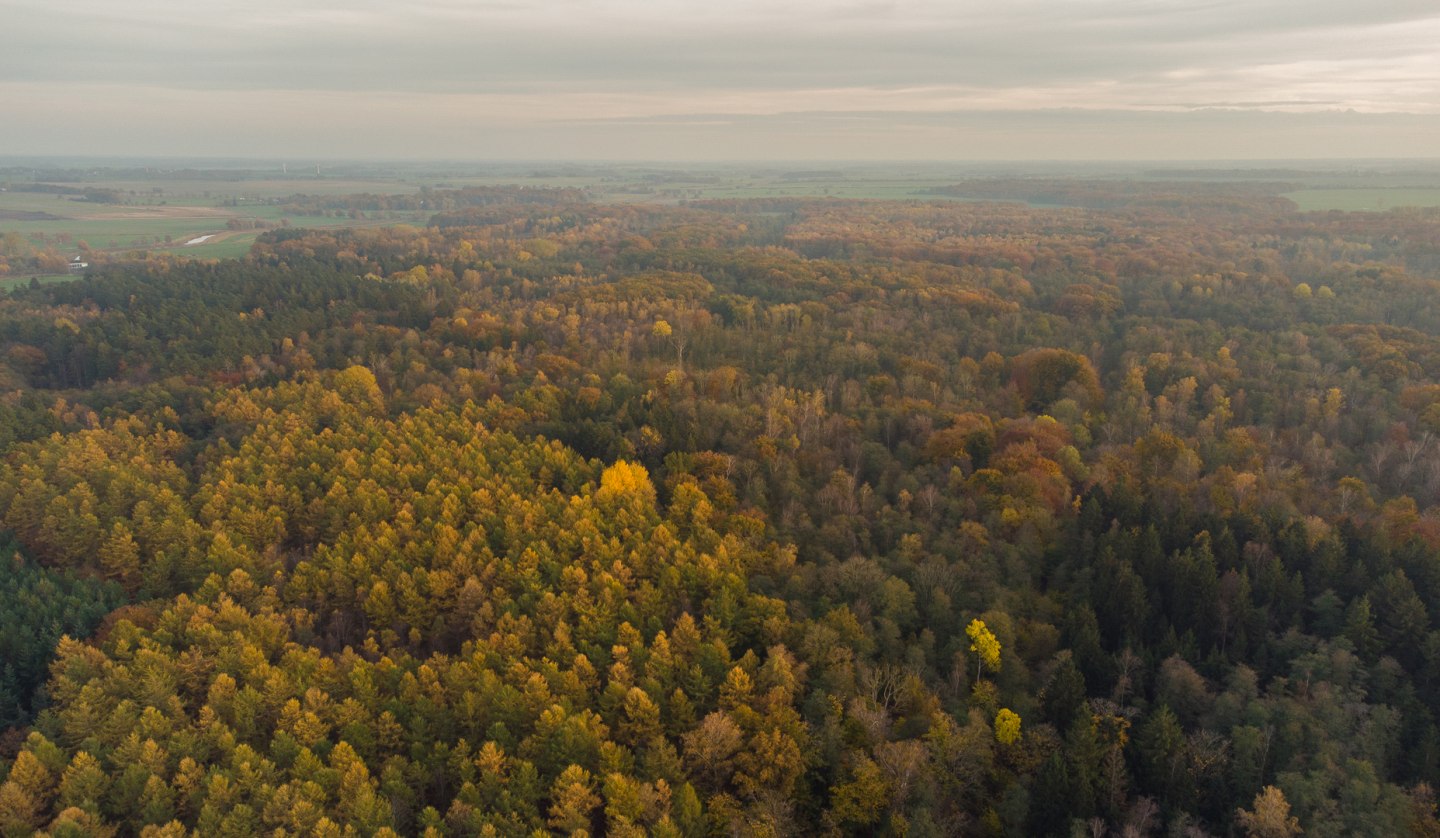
x=107, y=227
x=659, y=184
x=165, y=212
x=115, y=234
x=227, y=248
x=213, y=192
x=182, y=211
x=10, y=283
x=1363, y=199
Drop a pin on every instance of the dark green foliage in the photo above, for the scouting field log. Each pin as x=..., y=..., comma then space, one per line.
x=38, y=606
x=192, y=318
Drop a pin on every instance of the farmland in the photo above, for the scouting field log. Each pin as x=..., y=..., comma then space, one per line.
x=1365, y=199
x=164, y=214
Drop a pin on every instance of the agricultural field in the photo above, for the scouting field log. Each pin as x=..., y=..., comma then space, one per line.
x=167, y=215
x=118, y=227
x=1365, y=199
x=620, y=185
x=10, y=283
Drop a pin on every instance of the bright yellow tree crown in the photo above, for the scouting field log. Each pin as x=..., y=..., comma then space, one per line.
x=1007, y=726
x=984, y=644
x=626, y=480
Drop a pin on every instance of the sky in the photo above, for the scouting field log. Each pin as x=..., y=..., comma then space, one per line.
x=722, y=79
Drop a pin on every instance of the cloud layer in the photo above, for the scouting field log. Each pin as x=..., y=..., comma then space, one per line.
x=676, y=78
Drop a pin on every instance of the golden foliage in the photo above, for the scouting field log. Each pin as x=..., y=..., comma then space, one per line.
x=626, y=481
x=1007, y=726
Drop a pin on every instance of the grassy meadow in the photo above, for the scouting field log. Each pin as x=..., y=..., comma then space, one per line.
x=1364, y=199
x=10, y=283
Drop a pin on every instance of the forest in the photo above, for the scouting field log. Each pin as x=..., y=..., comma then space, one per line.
x=1116, y=516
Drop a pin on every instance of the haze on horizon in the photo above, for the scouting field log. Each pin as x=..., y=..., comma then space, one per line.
x=676, y=80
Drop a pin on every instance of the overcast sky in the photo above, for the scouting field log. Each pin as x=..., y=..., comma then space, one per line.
x=718, y=79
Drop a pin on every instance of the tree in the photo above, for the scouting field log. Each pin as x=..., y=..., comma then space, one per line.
x=862, y=800
x=1269, y=816
x=984, y=645
x=626, y=481
x=84, y=784
x=573, y=802
x=1063, y=700
x=1007, y=727
x=711, y=747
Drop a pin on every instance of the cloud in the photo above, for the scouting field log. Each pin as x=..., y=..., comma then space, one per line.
x=330, y=125
x=510, y=64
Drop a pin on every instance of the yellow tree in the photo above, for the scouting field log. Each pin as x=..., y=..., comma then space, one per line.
x=1270, y=817
x=677, y=340
x=984, y=645
x=1007, y=726
x=626, y=480
x=573, y=799
x=862, y=800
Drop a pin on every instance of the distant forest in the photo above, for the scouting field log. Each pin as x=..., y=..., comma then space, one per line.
x=756, y=517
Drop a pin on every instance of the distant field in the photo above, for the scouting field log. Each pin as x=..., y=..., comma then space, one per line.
x=226, y=247
x=838, y=188
x=119, y=233
x=640, y=185
x=214, y=192
x=106, y=226
x=10, y=283
x=740, y=187
x=164, y=215
x=182, y=209
x=1364, y=199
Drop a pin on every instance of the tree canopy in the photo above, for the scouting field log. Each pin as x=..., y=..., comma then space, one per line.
x=771, y=517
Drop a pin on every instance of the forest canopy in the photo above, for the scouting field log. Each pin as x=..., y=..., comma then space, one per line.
x=787, y=516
